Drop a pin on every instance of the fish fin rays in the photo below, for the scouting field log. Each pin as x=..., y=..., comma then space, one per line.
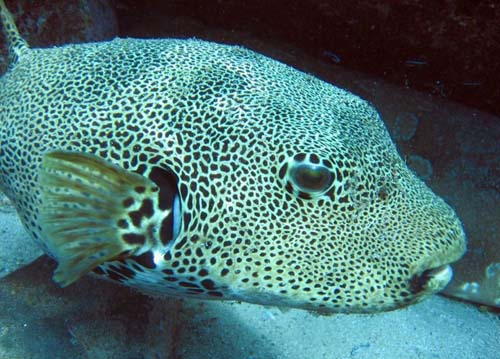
x=86, y=212
x=17, y=45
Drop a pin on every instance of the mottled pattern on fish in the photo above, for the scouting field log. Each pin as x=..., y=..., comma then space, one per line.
x=236, y=136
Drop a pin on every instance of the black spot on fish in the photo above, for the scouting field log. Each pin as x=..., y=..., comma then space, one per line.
x=155, y=159
x=186, y=219
x=181, y=243
x=282, y=171
x=338, y=175
x=133, y=162
x=146, y=260
x=208, y=284
x=146, y=210
x=140, y=189
x=122, y=223
x=127, y=202
x=184, y=191
x=300, y=157
x=331, y=193
x=133, y=238
x=314, y=158
x=141, y=169
x=304, y=195
x=188, y=285
x=202, y=272
x=136, y=218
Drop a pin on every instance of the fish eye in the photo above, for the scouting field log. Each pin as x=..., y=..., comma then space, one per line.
x=309, y=177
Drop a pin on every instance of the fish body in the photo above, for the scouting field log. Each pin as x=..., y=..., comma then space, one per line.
x=192, y=168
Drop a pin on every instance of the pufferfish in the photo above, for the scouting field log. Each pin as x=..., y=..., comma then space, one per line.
x=191, y=168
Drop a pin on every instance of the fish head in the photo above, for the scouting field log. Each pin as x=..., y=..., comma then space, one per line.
x=301, y=200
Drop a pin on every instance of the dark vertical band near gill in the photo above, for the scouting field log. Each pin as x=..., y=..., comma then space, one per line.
x=167, y=182
x=166, y=229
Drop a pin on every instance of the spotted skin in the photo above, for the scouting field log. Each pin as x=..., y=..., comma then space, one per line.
x=225, y=128
x=17, y=45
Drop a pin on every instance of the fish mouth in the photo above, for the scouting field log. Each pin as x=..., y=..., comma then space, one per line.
x=431, y=280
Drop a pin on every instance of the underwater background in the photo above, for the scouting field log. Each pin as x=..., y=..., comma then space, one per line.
x=432, y=71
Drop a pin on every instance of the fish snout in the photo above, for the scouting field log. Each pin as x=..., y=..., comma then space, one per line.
x=431, y=280
x=435, y=273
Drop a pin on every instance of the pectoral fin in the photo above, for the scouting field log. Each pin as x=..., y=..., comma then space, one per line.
x=93, y=211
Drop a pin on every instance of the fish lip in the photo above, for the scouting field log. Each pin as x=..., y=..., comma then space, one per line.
x=431, y=280
x=443, y=273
